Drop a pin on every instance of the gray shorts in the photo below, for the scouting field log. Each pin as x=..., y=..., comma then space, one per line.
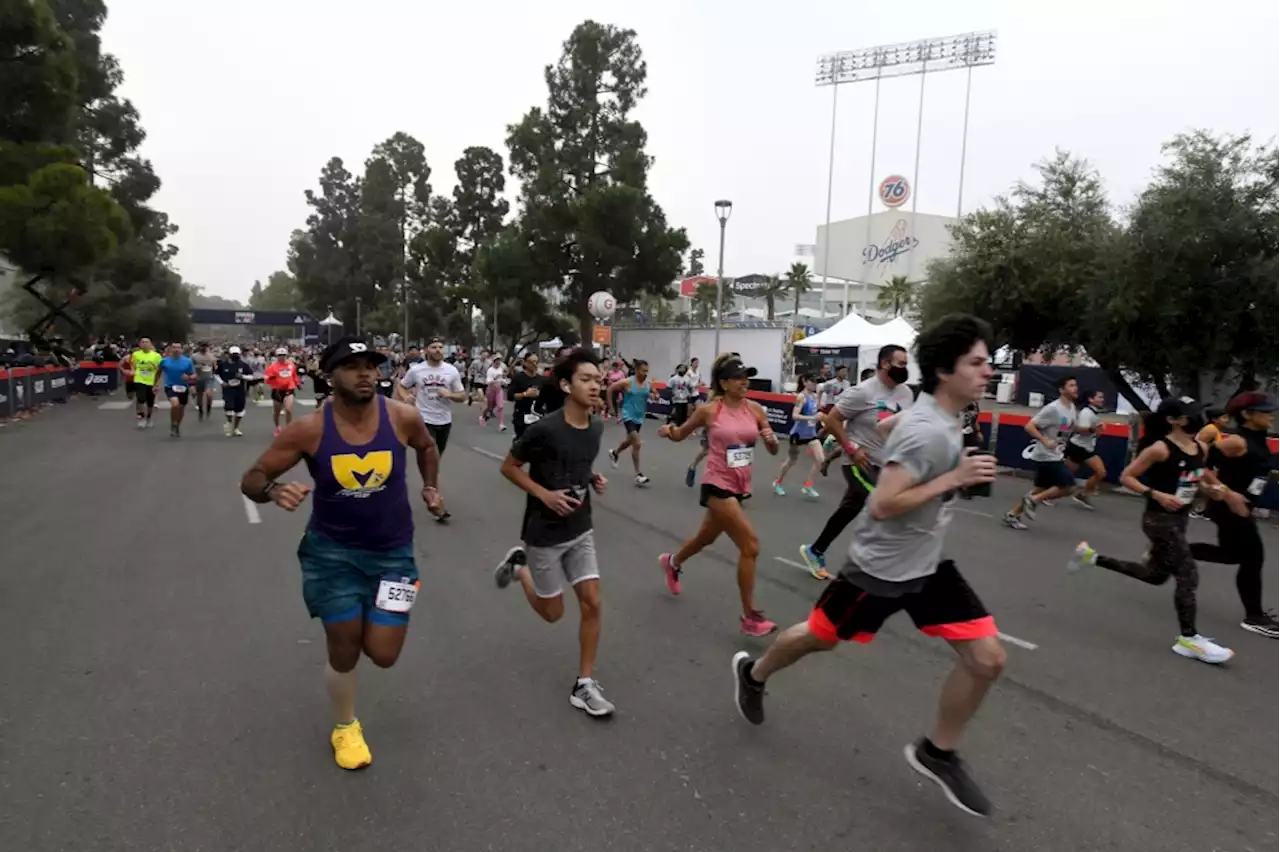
x=574, y=560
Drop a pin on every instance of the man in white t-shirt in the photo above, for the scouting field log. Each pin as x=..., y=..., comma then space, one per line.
x=1050, y=429
x=435, y=384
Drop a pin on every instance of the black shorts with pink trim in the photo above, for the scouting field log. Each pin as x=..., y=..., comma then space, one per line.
x=943, y=605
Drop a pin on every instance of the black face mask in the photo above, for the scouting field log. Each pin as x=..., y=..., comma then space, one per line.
x=235, y=357
x=898, y=375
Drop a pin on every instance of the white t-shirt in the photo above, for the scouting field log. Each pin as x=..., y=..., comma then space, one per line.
x=1083, y=436
x=495, y=374
x=430, y=380
x=681, y=388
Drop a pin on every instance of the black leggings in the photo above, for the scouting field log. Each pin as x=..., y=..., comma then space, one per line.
x=1239, y=543
x=855, y=497
x=1170, y=557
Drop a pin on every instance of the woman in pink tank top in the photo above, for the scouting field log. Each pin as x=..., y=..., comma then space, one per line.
x=733, y=423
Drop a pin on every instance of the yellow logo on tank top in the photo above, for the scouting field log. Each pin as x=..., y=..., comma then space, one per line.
x=361, y=475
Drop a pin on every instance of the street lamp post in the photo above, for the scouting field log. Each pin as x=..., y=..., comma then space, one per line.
x=358, y=329
x=723, y=209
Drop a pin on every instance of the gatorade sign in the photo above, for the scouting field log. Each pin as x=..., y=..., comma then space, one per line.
x=895, y=190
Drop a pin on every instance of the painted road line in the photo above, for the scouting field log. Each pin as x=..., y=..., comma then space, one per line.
x=482, y=451
x=251, y=510
x=977, y=512
x=1012, y=640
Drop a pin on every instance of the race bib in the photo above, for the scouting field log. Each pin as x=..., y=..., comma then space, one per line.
x=737, y=457
x=433, y=392
x=179, y=388
x=1257, y=486
x=396, y=596
x=284, y=374
x=1186, y=493
x=531, y=418
x=231, y=383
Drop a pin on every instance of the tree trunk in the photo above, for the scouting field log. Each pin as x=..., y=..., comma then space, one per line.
x=769, y=304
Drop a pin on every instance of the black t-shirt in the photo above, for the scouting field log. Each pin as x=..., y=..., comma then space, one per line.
x=559, y=457
x=521, y=382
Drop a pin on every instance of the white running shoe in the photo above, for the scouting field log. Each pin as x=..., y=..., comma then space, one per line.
x=1083, y=557
x=641, y=479
x=1202, y=648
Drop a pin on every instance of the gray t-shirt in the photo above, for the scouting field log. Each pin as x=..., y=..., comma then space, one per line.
x=1054, y=422
x=1087, y=419
x=830, y=390
x=927, y=442
x=866, y=404
x=205, y=362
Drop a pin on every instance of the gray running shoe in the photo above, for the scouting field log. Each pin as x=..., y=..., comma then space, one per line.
x=1083, y=500
x=1028, y=507
x=588, y=697
x=506, y=570
x=952, y=776
x=1013, y=521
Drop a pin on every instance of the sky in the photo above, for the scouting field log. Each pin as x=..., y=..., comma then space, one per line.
x=243, y=103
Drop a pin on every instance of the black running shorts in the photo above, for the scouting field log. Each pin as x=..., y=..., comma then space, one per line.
x=942, y=605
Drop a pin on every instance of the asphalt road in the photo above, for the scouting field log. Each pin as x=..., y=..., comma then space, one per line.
x=161, y=683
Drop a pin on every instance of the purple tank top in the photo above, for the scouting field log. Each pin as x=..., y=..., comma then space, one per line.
x=731, y=440
x=360, y=499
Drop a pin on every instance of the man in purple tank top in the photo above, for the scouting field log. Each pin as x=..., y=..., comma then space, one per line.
x=358, y=572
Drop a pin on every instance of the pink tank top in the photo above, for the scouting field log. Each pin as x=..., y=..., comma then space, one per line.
x=731, y=440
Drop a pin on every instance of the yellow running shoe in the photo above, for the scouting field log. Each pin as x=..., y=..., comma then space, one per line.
x=350, y=751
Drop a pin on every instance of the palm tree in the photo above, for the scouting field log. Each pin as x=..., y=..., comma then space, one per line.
x=772, y=289
x=704, y=300
x=799, y=283
x=896, y=296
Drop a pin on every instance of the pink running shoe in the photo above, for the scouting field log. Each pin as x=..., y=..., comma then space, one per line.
x=671, y=572
x=277, y=432
x=756, y=624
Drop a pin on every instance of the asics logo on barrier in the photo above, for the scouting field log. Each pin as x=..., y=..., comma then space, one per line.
x=96, y=379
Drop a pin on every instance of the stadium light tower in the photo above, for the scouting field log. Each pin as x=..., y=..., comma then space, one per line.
x=951, y=53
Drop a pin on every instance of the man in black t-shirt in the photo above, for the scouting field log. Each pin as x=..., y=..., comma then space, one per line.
x=525, y=387
x=560, y=450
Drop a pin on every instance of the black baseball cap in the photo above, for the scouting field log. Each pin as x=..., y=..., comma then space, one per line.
x=348, y=348
x=734, y=369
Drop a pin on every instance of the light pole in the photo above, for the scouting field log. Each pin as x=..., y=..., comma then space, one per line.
x=358, y=316
x=723, y=209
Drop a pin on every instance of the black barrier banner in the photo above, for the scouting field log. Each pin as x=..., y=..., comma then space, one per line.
x=40, y=393
x=95, y=379
x=58, y=390
x=22, y=389
x=7, y=408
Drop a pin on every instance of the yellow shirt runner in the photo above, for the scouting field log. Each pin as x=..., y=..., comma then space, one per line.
x=145, y=366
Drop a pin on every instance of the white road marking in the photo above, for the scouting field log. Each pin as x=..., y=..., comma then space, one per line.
x=977, y=512
x=1012, y=640
x=251, y=510
x=482, y=451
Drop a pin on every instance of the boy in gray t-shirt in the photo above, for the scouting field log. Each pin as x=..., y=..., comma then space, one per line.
x=1049, y=430
x=895, y=561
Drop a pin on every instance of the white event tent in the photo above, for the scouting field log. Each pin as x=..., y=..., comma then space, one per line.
x=855, y=334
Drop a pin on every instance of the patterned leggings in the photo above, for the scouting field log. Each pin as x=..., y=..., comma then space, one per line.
x=1170, y=557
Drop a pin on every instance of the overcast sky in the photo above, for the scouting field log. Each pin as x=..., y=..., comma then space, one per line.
x=243, y=102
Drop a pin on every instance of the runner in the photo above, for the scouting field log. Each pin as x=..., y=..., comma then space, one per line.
x=526, y=384
x=358, y=572
x=282, y=377
x=177, y=373
x=828, y=392
x=475, y=374
x=559, y=543
x=318, y=382
x=1080, y=448
x=896, y=563
x=1168, y=470
x=205, y=362
x=1241, y=463
x=636, y=394
x=863, y=406
x=495, y=380
x=1049, y=429
x=435, y=386
x=236, y=375
x=125, y=365
x=145, y=361
x=732, y=422
x=804, y=437
x=682, y=388
x=386, y=372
